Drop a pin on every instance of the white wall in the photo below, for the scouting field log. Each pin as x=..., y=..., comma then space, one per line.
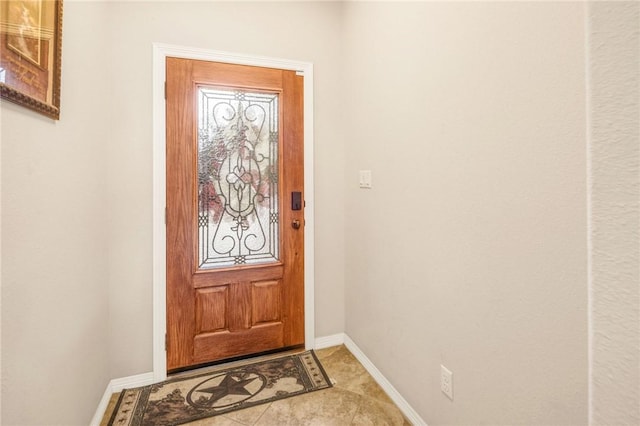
x=300, y=31
x=77, y=194
x=471, y=248
x=614, y=88
x=55, y=353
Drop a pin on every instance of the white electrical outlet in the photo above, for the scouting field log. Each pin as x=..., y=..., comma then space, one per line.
x=446, y=381
x=365, y=179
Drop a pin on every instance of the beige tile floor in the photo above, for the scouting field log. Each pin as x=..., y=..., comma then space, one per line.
x=355, y=399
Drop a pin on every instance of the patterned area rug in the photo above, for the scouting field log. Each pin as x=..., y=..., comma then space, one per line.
x=188, y=398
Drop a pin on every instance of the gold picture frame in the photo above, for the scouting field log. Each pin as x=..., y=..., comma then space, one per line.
x=31, y=54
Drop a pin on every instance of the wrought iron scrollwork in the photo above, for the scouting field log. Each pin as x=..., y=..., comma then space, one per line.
x=237, y=177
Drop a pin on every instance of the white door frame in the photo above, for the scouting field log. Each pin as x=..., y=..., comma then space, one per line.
x=160, y=53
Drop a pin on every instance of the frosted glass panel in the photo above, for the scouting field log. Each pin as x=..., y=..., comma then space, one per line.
x=237, y=177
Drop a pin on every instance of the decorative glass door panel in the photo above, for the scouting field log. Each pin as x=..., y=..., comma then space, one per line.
x=237, y=177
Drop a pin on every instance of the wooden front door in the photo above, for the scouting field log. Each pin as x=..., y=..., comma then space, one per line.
x=235, y=211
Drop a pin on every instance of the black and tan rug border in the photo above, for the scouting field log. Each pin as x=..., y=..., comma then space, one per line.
x=315, y=379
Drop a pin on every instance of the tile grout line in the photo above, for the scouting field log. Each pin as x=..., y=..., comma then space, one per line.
x=258, y=419
x=355, y=413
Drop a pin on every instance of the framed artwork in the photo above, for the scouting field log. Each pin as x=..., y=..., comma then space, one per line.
x=30, y=54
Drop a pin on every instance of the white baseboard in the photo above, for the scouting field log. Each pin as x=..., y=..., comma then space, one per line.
x=131, y=382
x=328, y=341
x=395, y=396
x=116, y=385
x=102, y=407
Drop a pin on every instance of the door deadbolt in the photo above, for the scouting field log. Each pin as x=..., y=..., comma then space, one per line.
x=296, y=200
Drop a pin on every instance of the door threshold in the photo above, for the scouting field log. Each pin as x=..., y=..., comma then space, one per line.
x=236, y=361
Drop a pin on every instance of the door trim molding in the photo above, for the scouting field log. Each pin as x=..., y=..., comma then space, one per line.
x=160, y=52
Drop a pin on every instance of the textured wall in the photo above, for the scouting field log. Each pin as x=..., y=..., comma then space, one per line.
x=55, y=353
x=470, y=250
x=614, y=89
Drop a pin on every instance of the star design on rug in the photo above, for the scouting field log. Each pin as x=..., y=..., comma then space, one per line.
x=228, y=386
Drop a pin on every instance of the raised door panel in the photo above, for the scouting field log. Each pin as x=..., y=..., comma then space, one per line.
x=212, y=307
x=266, y=302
